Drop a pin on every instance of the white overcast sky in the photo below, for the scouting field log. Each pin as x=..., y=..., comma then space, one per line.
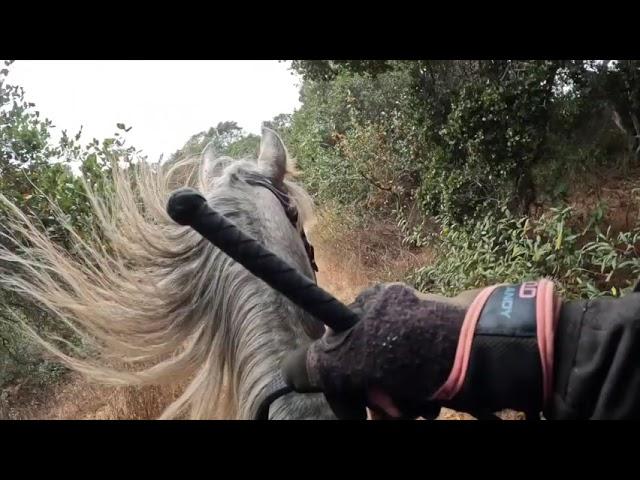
x=164, y=101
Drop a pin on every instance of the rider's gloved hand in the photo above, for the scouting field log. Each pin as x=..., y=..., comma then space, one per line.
x=392, y=361
x=528, y=351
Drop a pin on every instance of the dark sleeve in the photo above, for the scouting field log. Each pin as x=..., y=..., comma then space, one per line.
x=597, y=360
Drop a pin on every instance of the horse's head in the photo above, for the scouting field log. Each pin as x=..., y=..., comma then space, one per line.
x=260, y=196
x=166, y=302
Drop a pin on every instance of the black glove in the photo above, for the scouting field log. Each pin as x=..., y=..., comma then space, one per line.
x=403, y=345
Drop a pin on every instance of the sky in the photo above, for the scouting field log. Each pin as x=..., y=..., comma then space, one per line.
x=165, y=102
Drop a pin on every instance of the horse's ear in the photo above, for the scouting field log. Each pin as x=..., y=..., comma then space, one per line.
x=209, y=161
x=273, y=155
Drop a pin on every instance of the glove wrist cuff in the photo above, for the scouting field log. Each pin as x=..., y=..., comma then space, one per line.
x=504, y=357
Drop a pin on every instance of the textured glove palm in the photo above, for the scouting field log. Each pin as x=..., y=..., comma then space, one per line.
x=403, y=346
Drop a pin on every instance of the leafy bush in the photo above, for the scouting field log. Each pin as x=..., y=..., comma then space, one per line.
x=507, y=248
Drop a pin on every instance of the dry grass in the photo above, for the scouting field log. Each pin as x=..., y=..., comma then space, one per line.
x=351, y=259
x=616, y=190
x=76, y=399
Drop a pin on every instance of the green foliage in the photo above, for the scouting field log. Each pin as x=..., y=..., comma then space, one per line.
x=456, y=137
x=328, y=69
x=246, y=147
x=221, y=136
x=355, y=141
x=280, y=123
x=228, y=138
x=489, y=141
x=459, y=138
x=622, y=87
x=508, y=248
x=467, y=142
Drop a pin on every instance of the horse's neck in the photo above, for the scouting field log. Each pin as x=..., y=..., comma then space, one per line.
x=266, y=338
x=301, y=406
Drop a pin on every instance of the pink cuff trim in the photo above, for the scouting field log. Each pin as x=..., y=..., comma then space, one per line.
x=459, y=371
x=547, y=313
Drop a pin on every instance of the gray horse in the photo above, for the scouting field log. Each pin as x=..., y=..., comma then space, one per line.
x=161, y=304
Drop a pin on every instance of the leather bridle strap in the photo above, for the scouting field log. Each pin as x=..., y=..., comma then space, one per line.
x=275, y=389
x=289, y=209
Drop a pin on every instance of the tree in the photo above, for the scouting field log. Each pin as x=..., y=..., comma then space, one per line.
x=221, y=136
x=623, y=92
x=460, y=136
x=326, y=70
x=247, y=146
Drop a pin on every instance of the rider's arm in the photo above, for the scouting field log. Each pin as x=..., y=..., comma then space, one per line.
x=597, y=362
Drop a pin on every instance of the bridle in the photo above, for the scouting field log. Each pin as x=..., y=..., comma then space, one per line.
x=289, y=209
